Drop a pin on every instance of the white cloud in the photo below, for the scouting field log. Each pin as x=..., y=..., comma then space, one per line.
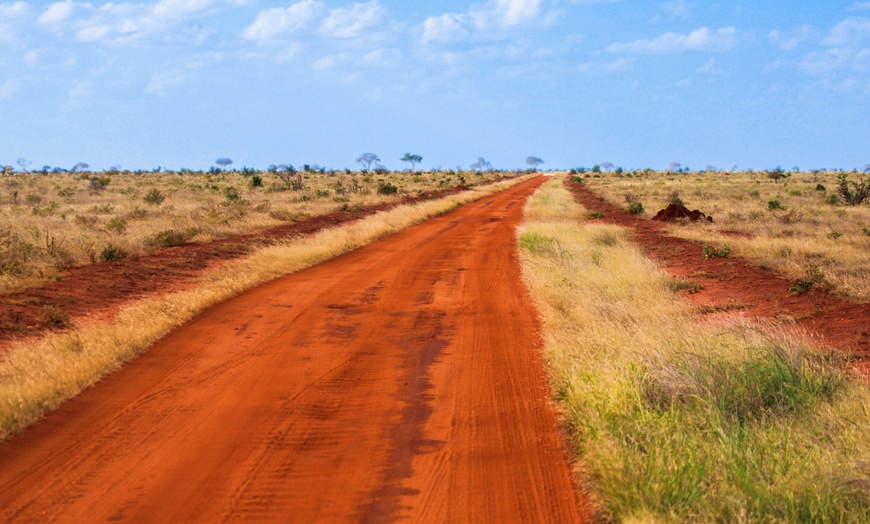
x=493, y=16
x=849, y=32
x=860, y=6
x=353, y=21
x=616, y=66
x=710, y=68
x=162, y=82
x=80, y=89
x=323, y=63
x=57, y=13
x=9, y=16
x=181, y=8
x=48, y=58
x=789, y=40
x=271, y=23
x=846, y=61
x=703, y=39
x=9, y=88
x=509, y=13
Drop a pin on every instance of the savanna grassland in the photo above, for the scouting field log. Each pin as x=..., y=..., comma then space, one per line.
x=51, y=222
x=676, y=419
x=799, y=225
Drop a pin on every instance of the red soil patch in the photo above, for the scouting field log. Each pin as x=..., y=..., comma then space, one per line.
x=99, y=290
x=734, y=284
x=401, y=381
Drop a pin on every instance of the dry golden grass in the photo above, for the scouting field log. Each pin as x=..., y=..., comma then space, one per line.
x=676, y=420
x=35, y=377
x=51, y=222
x=809, y=235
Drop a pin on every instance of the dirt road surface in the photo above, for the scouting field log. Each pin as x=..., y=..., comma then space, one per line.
x=400, y=381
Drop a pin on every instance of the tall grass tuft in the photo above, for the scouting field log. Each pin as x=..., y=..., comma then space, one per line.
x=674, y=420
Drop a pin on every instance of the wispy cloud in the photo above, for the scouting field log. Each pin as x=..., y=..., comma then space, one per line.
x=353, y=21
x=279, y=21
x=790, y=39
x=485, y=19
x=703, y=39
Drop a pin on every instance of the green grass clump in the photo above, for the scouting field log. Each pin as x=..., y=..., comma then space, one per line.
x=673, y=420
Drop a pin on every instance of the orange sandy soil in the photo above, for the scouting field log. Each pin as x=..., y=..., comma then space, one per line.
x=401, y=381
x=98, y=290
x=734, y=286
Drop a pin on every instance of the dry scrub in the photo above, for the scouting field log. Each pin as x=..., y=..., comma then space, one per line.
x=51, y=222
x=36, y=377
x=673, y=420
x=799, y=225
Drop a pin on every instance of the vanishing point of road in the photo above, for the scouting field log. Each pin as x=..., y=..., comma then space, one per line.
x=401, y=381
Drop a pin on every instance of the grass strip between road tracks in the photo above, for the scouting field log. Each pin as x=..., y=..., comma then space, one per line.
x=675, y=420
x=37, y=376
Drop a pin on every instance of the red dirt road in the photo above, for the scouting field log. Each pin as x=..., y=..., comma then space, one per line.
x=400, y=381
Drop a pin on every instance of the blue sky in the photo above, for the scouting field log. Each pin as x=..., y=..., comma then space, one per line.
x=179, y=83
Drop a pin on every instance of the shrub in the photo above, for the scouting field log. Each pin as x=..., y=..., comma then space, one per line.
x=635, y=208
x=774, y=205
x=169, y=238
x=712, y=252
x=674, y=198
x=857, y=193
x=117, y=225
x=256, y=181
x=820, y=187
x=803, y=285
x=111, y=253
x=387, y=188
x=596, y=214
x=577, y=179
x=53, y=316
x=231, y=194
x=154, y=197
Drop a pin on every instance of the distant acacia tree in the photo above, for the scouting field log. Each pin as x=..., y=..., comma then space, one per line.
x=534, y=162
x=776, y=174
x=607, y=166
x=413, y=160
x=675, y=166
x=81, y=166
x=367, y=160
x=23, y=163
x=867, y=168
x=481, y=165
x=224, y=162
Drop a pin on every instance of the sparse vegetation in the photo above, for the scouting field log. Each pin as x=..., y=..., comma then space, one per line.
x=675, y=420
x=83, y=212
x=814, y=228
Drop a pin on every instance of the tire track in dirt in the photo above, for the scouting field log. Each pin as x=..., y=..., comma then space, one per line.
x=734, y=284
x=402, y=381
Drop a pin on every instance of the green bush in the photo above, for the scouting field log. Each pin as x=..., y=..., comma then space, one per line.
x=774, y=205
x=387, y=188
x=635, y=208
x=111, y=253
x=154, y=197
x=169, y=238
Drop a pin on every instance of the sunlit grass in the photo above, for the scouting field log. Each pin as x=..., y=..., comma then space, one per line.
x=51, y=222
x=809, y=229
x=673, y=420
